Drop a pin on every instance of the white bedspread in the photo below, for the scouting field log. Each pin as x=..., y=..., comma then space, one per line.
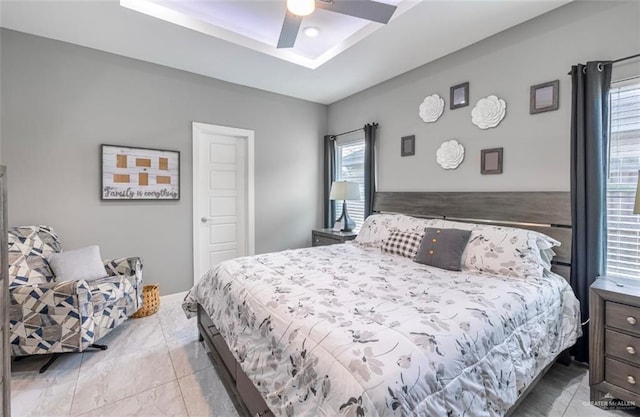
x=346, y=330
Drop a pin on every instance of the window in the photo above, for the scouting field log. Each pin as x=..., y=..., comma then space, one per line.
x=350, y=167
x=623, y=235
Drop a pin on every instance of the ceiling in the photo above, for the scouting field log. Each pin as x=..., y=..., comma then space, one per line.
x=256, y=24
x=360, y=56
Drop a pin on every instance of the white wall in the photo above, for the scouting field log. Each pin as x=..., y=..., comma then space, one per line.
x=60, y=102
x=536, y=147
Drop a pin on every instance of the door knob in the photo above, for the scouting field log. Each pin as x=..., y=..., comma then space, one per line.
x=204, y=219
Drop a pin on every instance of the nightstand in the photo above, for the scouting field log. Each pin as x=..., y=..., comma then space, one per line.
x=321, y=237
x=614, y=345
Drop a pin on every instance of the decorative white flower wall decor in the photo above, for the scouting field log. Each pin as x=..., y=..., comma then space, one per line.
x=431, y=108
x=488, y=112
x=450, y=154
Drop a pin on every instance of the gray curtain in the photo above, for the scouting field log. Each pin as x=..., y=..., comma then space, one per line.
x=369, y=167
x=329, y=178
x=589, y=158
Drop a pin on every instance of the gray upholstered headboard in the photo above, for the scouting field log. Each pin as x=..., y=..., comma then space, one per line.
x=545, y=212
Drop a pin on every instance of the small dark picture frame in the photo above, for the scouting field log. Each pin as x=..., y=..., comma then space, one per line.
x=544, y=97
x=408, y=145
x=459, y=96
x=491, y=161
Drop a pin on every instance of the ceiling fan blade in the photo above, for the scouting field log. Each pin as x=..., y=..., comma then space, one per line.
x=289, y=31
x=364, y=9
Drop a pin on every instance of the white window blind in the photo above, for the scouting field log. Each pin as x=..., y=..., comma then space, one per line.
x=623, y=235
x=350, y=167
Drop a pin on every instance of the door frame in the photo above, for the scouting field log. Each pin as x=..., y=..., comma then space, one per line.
x=197, y=130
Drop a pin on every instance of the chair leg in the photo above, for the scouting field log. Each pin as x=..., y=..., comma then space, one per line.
x=97, y=346
x=51, y=360
x=55, y=356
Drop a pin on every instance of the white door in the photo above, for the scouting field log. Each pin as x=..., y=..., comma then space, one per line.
x=222, y=195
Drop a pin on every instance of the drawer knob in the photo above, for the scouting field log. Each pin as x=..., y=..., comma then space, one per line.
x=631, y=350
x=631, y=320
x=631, y=380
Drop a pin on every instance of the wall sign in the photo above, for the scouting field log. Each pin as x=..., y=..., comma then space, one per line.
x=139, y=173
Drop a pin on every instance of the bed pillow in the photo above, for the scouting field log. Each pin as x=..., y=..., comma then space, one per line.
x=506, y=251
x=77, y=264
x=377, y=228
x=546, y=255
x=443, y=248
x=403, y=243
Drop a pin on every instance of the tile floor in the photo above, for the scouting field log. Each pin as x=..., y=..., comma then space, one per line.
x=155, y=366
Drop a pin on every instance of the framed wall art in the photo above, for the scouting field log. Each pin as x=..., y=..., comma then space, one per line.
x=130, y=173
x=459, y=96
x=544, y=97
x=491, y=161
x=408, y=145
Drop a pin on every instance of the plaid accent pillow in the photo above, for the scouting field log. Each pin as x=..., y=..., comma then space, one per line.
x=403, y=243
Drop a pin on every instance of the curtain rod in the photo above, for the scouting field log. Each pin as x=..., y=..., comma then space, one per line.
x=345, y=133
x=624, y=59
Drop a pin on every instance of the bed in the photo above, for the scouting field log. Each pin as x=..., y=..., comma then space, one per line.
x=351, y=330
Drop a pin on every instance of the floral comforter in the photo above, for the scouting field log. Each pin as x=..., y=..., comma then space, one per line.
x=344, y=330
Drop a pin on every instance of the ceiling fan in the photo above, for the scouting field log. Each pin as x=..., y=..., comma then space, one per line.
x=297, y=9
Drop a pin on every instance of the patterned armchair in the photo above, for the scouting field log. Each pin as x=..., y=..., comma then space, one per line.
x=46, y=316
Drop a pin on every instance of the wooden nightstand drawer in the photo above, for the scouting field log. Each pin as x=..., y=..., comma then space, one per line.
x=622, y=316
x=622, y=375
x=322, y=237
x=323, y=240
x=622, y=346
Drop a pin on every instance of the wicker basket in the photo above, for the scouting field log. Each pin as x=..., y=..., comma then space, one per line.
x=150, y=301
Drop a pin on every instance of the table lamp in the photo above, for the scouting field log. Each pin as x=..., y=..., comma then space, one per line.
x=344, y=190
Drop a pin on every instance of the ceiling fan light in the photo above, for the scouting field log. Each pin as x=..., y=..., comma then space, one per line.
x=301, y=7
x=311, y=31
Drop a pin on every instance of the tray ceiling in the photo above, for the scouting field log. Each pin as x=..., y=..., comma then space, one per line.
x=256, y=24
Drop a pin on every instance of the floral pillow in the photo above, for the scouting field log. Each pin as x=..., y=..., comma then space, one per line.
x=506, y=251
x=378, y=227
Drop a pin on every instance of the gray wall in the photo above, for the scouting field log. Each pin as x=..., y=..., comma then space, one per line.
x=60, y=102
x=536, y=147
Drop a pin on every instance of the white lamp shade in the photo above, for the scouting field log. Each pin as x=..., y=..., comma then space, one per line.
x=636, y=206
x=301, y=7
x=344, y=190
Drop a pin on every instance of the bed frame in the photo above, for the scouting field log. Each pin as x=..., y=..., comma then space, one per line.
x=546, y=212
